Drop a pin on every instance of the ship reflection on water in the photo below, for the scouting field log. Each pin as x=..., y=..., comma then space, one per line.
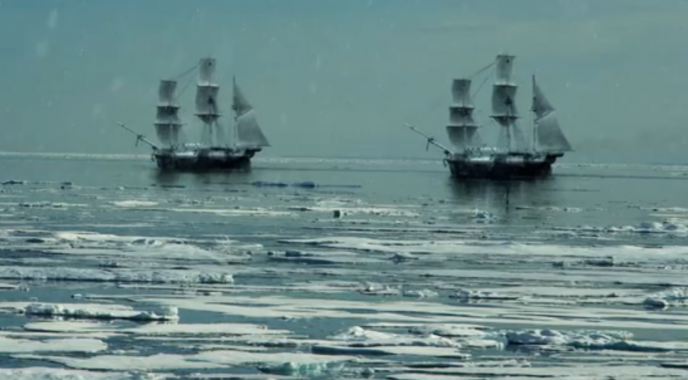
x=165, y=178
x=529, y=198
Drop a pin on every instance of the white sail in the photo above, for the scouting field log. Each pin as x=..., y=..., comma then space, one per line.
x=249, y=134
x=166, y=92
x=504, y=101
x=207, y=71
x=248, y=131
x=541, y=106
x=239, y=101
x=518, y=140
x=168, y=135
x=207, y=109
x=462, y=129
x=505, y=68
x=461, y=92
x=550, y=138
x=167, y=123
x=504, y=110
x=461, y=116
x=206, y=102
x=462, y=137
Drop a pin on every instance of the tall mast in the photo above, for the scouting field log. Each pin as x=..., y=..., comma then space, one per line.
x=534, y=109
x=206, y=102
x=504, y=96
x=462, y=129
x=167, y=123
x=235, y=109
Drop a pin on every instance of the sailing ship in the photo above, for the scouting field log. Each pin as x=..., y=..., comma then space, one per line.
x=216, y=150
x=513, y=157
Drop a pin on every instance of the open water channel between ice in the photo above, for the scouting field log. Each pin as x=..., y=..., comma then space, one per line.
x=111, y=270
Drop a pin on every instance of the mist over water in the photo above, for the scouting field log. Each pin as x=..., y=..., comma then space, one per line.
x=340, y=78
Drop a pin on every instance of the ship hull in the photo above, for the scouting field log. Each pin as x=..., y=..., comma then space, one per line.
x=204, y=159
x=502, y=167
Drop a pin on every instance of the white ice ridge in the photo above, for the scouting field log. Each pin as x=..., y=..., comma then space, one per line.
x=97, y=312
x=41, y=373
x=477, y=295
x=591, y=340
x=202, y=360
x=664, y=299
x=378, y=210
x=158, y=329
x=114, y=275
x=492, y=247
x=133, y=203
x=576, y=372
x=427, y=312
x=359, y=337
x=131, y=248
x=665, y=227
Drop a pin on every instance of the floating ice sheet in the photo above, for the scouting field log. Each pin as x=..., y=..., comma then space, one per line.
x=203, y=360
x=9, y=345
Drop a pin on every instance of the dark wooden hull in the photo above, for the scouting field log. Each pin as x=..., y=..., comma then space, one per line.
x=204, y=160
x=503, y=167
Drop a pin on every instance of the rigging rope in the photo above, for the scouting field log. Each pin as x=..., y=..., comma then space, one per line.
x=436, y=104
x=179, y=94
x=475, y=93
x=185, y=72
x=483, y=69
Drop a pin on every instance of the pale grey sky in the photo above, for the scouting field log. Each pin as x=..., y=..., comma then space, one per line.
x=340, y=77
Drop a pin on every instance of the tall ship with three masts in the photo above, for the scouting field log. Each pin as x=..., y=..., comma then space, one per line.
x=513, y=157
x=217, y=149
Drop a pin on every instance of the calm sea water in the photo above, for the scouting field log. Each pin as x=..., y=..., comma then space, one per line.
x=422, y=277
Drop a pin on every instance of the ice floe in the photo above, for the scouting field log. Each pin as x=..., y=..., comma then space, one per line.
x=119, y=275
x=10, y=345
x=666, y=298
x=664, y=227
x=590, y=340
x=359, y=337
x=90, y=311
x=134, y=203
x=51, y=373
x=581, y=372
x=56, y=310
x=169, y=329
x=477, y=295
x=203, y=360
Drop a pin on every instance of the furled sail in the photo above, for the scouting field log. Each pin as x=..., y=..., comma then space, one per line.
x=167, y=123
x=206, y=102
x=248, y=131
x=550, y=138
x=462, y=129
x=504, y=110
x=207, y=109
x=504, y=102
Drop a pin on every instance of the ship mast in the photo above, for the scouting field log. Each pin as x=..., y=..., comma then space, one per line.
x=504, y=97
x=462, y=129
x=167, y=123
x=236, y=108
x=534, y=109
x=206, y=103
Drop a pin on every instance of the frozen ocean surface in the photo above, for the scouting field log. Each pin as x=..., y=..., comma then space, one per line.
x=339, y=268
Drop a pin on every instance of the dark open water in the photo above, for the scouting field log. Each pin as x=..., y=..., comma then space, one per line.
x=578, y=276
